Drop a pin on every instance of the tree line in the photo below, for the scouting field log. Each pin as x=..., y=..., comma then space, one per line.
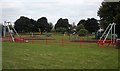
x=108, y=12
x=24, y=24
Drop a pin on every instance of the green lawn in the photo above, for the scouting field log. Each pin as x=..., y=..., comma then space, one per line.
x=72, y=55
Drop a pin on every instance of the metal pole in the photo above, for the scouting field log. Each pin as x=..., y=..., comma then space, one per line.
x=10, y=33
x=114, y=33
x=4, y=29
x=15, y=31
x=108, y=33
x=111, y=32
x=104, y=32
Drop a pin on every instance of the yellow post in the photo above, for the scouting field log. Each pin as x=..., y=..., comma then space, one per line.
x=64, y=35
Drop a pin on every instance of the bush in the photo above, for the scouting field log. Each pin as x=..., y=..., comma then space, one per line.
x=82, y=32
x=61, y=30
x=79, y=27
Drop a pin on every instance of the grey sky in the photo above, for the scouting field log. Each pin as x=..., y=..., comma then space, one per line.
x=74, y=10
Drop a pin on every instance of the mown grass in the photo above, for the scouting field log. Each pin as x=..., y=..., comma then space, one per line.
x=55, y=56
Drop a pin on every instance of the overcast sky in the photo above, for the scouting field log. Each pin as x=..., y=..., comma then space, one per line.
x=74, y=10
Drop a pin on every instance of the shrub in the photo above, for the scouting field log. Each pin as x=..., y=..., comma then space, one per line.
x=82, y=32
x=61, y=30
x=79, y=27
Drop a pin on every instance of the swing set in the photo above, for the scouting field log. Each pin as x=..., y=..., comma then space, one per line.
x=110, y=30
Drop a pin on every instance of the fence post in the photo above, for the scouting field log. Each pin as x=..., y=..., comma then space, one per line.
x=62, y=41
x=32, y=39
x=46, y=40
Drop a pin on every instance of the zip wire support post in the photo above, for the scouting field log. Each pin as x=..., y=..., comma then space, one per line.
x=11, y=30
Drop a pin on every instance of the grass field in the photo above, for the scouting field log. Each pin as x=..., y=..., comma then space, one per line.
x=55, y=56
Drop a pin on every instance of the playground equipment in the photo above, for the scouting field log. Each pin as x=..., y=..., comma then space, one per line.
x=109, y=30
x=11, y=30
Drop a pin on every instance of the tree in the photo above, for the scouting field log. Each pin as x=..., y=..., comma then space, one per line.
x=50, y=27
x=62, y=23
x=83, y=21
x=33, y=26
x=91, y=25
x=79, y=27
x=109, y=12
x=24, y=24
x=81, y=30
x=42, y=24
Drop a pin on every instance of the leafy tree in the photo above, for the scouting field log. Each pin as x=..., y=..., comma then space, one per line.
x=62, y=23
x=83, y=21
x=33, y=26
x=24, y=24
x=91, y=25
x=81, y=29
x=50, y=26
x=109, y=12
x=42, y=24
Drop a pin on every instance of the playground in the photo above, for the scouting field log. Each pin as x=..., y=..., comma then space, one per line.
x=57, y=51
x=109, y=36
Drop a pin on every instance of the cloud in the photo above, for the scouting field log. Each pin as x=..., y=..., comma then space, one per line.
x=74, y=10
